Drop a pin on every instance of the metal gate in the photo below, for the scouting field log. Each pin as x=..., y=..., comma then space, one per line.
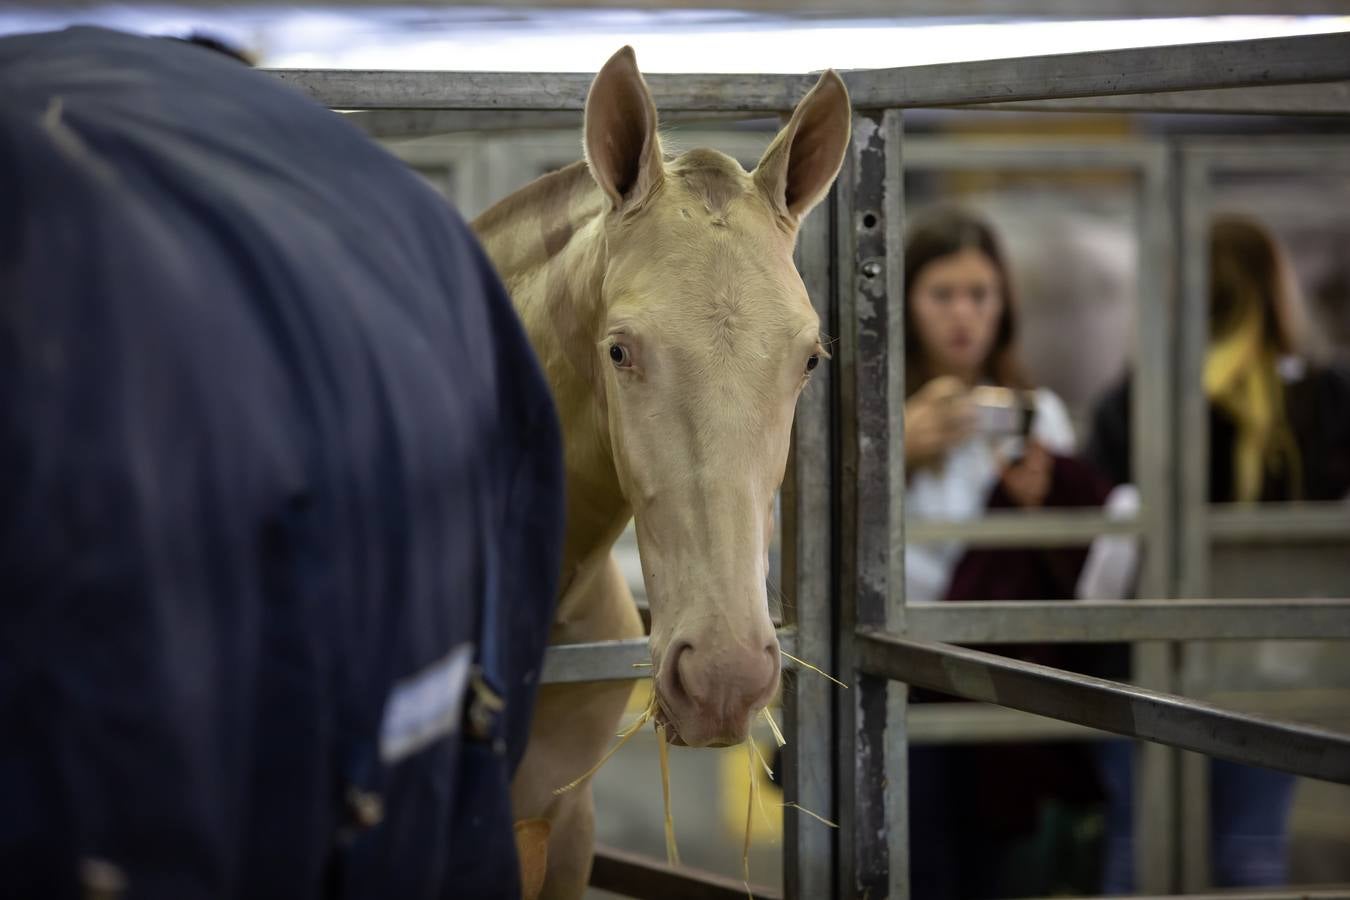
x=843, y=500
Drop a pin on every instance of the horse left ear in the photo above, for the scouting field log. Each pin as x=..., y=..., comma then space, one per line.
x=797, y=170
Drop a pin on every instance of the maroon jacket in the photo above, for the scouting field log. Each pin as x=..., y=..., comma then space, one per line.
x=1017, y=573
x=1013, y=779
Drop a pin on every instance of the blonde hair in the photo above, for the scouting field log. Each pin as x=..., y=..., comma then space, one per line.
x=1255, y=318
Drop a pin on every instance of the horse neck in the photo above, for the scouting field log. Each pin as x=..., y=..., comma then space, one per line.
x=547, y=243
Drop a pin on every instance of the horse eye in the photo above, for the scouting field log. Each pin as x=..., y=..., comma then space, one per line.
x=619, y=355
x=812, y=361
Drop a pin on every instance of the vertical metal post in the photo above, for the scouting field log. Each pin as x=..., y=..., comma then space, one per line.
x=807, y=578
x=871, y=792
x=1193, y=454
x=1193, y=429
x=1152, y=435
x=897, y=700
x=1195, y=823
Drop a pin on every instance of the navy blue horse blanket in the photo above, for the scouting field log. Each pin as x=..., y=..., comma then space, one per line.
x=280, y=496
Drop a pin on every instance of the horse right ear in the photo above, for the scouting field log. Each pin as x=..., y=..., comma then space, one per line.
x=622, y=146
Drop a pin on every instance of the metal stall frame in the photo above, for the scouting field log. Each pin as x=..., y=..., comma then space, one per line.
x=844, y=523
x=1203, y=526
x=1148, y=162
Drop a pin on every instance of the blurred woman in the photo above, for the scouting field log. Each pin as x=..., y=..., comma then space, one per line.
x=1279, y=430
x=960, y=325
x=982, y=820
x=1278, y=425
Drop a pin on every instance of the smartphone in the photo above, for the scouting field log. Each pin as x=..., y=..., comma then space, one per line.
x=1003, y=412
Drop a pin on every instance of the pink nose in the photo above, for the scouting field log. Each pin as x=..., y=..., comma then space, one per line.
x=710, y=693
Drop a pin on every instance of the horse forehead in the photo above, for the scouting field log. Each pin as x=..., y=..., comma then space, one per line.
x=724, y=260
x=681, y=244
x=732, y=286
x=718, y=287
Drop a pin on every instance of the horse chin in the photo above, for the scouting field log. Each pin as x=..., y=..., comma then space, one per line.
x=663, y=719
x=698, y=738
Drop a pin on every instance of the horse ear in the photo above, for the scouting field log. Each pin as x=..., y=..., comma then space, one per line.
x=622, y=146
x=797, y=170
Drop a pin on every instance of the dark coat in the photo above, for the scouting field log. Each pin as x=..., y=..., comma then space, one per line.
x=272, y=446
x=1317, y=406
x=1318, y=409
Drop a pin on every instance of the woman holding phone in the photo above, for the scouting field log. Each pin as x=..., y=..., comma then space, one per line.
x=987, y=821
x=960, y=326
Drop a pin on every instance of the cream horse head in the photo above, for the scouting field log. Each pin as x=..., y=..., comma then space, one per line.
x=707, y=339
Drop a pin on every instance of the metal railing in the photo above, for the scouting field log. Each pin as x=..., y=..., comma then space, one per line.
x=844, y=528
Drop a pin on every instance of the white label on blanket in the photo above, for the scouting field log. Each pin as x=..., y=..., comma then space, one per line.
x=425, y=707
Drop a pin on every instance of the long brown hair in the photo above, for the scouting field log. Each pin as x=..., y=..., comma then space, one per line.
x=941, y=232
x=1247, y=268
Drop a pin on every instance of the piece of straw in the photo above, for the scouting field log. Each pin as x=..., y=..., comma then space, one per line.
x=624, y=737
x=644, y=717
x=762, y=761
x=672, y=852
x=749, y=810
x=804, y=664
x=797, y=806
x=773, y=726
x=763, y=814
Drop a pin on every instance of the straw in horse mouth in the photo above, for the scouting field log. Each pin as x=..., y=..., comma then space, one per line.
x=665, y=720
x=663, y=723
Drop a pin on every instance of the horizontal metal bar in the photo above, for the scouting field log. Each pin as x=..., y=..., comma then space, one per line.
x=1328, y=99
x=978, y=723
x=1273, y=523
x=1108, y=705
x=636, y=875
x=615, y=660
x=546, y=91
x=407, y=123
x=597, y=661
x=1288, y=60
x=1319, y=153
x=1130, y=620
x=1021, y=529
x=981, y=723
x=952, y=154
x=1222, y=64
x=1280, y=523
x=411, y=123
x=1025, y=622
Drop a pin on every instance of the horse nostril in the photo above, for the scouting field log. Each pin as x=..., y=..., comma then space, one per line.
x=673, y=685
x=775, y=661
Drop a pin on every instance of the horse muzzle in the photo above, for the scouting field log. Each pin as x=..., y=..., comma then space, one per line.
x=709, y=694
